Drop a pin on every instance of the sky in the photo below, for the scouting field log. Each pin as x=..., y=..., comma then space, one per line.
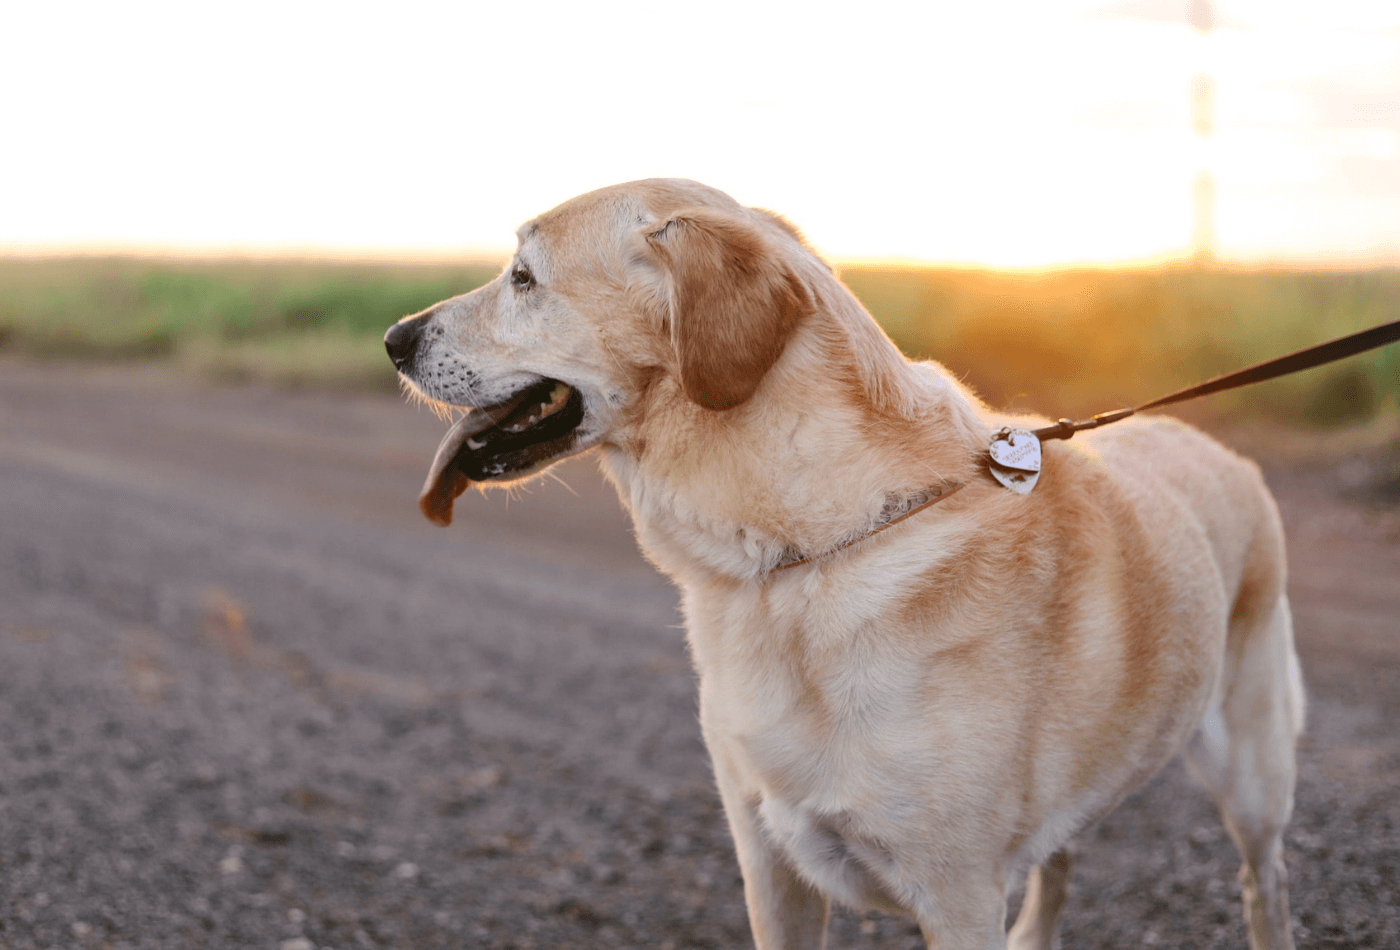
x=1025, y=133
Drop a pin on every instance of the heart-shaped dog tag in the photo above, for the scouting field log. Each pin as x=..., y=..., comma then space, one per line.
x=1015, y=460
x=1018, y=449
x=1019, y=482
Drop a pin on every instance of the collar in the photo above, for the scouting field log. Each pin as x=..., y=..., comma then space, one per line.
x=895, y=510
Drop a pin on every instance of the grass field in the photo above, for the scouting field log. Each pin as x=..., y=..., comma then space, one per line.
x=1059, y=342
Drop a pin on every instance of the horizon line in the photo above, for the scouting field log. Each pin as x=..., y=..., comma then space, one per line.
x=494, y=256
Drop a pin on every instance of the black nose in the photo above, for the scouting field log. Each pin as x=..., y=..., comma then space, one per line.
x=402, y=341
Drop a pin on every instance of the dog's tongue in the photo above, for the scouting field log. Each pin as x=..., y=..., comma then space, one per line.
x=446, y=482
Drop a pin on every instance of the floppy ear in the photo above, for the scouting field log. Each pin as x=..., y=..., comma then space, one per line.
x=734, y=303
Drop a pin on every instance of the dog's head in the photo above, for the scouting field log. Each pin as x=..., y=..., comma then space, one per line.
x=614, y=302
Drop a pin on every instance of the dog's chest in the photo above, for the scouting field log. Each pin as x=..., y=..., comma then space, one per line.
x=807, y=690
x=811, y=735
x=797, y=693
x=832, y=763
x=825, y=733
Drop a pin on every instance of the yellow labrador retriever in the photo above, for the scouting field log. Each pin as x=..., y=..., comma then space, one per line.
x=907, y=703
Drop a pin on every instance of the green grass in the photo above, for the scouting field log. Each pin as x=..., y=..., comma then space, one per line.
x=1080, y=341
x=1059, y=342
x=292, y=322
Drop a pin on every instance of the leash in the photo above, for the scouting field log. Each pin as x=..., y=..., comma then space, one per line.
x=1014, y=455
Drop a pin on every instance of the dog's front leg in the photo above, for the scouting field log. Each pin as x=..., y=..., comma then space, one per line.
x=785, y=912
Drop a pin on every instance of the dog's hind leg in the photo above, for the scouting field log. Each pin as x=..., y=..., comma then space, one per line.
x=1244, y=754
x=1047, y=885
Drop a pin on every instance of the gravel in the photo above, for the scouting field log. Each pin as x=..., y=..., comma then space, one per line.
x=249, y=699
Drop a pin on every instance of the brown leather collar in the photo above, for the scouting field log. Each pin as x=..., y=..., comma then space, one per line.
x=895, y=511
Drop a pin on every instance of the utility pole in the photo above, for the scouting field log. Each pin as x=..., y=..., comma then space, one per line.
x=1202, y=92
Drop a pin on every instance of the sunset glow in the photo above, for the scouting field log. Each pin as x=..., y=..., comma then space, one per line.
x=1019, y=134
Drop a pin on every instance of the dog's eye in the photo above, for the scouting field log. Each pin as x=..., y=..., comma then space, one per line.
x=521, y=277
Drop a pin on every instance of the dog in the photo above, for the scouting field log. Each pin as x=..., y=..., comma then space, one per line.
x=914, y=683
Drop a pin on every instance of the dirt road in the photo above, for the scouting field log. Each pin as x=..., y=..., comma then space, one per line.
x=250, y=698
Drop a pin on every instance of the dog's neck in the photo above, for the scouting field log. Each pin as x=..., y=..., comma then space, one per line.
x=842, y=425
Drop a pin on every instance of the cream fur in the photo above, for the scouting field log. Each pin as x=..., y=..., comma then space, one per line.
x=909, y=721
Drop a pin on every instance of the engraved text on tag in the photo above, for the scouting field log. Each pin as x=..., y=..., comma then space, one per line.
x=1015, y=460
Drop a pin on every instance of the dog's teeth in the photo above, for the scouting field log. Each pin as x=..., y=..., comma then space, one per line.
x=557, y=398
x=474, y=445
x=556, y=401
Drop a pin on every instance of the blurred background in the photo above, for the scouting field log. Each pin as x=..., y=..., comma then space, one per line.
x=1040, y=193
x=249, y=698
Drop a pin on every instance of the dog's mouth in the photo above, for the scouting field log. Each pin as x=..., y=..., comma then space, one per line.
x=536, y=425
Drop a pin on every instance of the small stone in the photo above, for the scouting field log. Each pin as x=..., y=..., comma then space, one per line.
x=296, y=943
x=488, y=777
x=81, y=930
x=296, y=915
x=406, y=871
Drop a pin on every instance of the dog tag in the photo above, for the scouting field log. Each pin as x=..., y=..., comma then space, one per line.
x=1019, y=482
x=1015, y=460
x=1018, y=449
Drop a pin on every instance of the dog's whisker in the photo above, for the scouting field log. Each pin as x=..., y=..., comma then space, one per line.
x=608, y=346
x=567, y=487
